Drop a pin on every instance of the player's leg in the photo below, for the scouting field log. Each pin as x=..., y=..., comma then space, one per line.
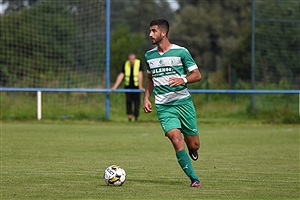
x=193, y=145
x=192, y=142
x=176, y=139
x=129, y=105
x=182, y=157
x=190, y=129
x=171, y=125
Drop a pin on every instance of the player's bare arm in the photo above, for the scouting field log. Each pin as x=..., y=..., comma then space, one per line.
x=148, y=91
x=194, y=76
x=140, y=79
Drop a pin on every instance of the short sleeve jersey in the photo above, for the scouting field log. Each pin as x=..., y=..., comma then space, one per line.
x=176, y=62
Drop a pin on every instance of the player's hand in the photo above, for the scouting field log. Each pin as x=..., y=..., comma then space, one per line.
x=175, y=81
x=147, y=106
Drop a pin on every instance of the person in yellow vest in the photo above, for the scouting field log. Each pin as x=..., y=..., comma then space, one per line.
x=132, y=73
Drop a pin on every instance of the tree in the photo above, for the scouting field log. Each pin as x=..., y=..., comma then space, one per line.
x=49, y=38
x=277, y=42
x=27, y=44
x=138, y=14
x=122, y=43
x=183, y=3
x=212, y=30
x=130, y=28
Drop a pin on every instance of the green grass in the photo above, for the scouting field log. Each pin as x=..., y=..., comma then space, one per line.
x=48, y=160
x=277, y=108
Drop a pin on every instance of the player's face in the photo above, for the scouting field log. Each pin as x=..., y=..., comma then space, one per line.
x=155, y=34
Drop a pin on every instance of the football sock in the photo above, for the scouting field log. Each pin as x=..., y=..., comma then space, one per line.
x=186, y=164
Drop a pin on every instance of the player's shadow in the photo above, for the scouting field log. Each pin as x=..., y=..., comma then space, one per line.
x=158, y=182
x=147, y=182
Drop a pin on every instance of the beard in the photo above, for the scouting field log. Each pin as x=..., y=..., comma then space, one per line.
x=156, y=40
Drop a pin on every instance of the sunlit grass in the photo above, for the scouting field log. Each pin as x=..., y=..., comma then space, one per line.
x=46, y=160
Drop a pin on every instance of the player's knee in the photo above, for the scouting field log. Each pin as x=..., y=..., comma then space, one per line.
x=175, y=137
x=178, y=143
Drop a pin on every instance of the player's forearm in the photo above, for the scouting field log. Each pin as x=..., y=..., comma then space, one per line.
x=140, y=79
x=194, y=76
x=148, y=92
x=149, y=88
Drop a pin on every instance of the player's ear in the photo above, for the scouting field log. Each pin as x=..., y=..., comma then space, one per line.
x=164, y=32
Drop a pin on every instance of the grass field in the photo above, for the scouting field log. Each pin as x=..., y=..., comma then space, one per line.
x=66, y=160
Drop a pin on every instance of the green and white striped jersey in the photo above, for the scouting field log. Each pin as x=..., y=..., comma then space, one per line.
x=176, y=62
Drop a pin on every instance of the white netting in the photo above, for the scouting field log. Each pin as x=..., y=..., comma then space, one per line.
x=277, y=44
x=54, y=43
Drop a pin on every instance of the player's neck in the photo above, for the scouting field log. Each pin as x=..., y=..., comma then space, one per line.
x=164, y=46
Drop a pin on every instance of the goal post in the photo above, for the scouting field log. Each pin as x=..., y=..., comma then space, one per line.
x=107, y=101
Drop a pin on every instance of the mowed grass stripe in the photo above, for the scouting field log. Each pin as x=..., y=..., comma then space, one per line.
x=67, y=161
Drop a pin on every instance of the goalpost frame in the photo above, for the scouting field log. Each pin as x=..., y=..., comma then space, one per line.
x=252, y=51
x=107, y=101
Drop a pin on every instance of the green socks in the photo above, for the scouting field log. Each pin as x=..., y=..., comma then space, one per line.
x=186, y=164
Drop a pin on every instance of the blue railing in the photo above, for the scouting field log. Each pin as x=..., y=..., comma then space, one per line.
x=100, y=90
x=108, y=91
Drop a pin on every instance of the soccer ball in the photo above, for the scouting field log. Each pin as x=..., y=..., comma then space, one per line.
x=114, y=175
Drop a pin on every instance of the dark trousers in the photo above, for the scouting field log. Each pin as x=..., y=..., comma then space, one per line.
x=133, y=98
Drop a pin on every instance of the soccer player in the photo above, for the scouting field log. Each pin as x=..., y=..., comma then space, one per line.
x=170, y=68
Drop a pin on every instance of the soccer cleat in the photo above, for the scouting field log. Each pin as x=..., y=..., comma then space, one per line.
x=193, y=154
x=195, y=183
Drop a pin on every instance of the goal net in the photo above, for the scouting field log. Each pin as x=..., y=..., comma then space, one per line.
x=277, y=44
x=53, y=44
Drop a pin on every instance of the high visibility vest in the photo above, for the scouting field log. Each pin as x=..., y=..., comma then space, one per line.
x=136, y=69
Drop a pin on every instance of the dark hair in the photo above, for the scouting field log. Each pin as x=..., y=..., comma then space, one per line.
x=161, y=23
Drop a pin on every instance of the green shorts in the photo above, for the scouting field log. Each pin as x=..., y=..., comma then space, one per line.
x=178, y=116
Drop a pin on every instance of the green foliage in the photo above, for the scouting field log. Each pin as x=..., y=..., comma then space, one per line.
x=276, y=108
x=62, y=43
x=27, y=43
x=239, y=58
x=218, y=34
x=138, y=14
x=67, y=160
x=211, y=30
x=124, y=42
x=278, y=42
x=48, y=41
